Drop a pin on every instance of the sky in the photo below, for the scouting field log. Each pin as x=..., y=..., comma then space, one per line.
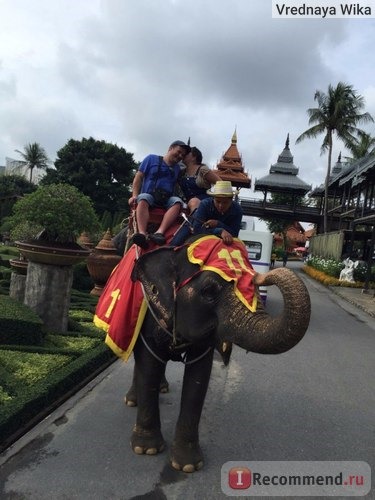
x=143, y=73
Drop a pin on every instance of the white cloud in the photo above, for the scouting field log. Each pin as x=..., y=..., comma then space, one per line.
x=141, y=74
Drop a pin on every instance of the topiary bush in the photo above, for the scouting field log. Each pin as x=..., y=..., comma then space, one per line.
x=60, y=210
x=360, y=273
x=82, y=280
x=19, y=324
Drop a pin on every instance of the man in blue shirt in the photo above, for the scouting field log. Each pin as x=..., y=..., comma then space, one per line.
x=153, y=185
x=220, y=214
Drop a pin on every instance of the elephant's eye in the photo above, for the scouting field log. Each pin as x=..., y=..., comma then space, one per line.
x=154, y=289
x=210, y=291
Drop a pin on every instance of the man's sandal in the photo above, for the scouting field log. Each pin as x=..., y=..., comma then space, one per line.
x=158, y=238
x=140, y=240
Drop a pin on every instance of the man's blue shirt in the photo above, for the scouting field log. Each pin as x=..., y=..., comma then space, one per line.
x=164, y=177
x=230, y=221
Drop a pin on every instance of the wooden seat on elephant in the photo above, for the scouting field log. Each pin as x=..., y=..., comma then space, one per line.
x=156, y=216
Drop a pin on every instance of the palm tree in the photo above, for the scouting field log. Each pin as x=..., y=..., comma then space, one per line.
x=338, y=111
x=362, y=146
x=34, y=156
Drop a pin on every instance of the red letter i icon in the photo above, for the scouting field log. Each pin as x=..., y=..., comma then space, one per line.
x=239, y=478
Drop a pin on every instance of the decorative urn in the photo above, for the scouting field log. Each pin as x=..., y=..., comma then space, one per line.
x=101, y=262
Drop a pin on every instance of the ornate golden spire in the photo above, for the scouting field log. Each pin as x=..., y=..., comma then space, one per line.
x=234, y=136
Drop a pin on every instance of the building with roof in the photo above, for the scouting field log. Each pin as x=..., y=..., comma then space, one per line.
x=351, y=210
x=230, y=167
x=283, y=177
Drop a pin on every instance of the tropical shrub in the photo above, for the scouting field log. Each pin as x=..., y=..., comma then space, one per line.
x=361, y=271
x=60, y=210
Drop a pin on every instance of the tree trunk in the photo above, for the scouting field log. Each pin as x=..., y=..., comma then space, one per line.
x=47, y=293
x=326, y=186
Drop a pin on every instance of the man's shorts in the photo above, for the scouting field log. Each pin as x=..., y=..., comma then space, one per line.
x=150, y=200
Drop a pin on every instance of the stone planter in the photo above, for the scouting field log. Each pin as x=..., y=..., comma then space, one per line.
x=101, y=262
x=18, y=278
x=49, y=280
x=19, y=266
x=53, y=254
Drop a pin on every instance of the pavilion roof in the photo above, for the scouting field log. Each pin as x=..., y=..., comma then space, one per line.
x=283, y=175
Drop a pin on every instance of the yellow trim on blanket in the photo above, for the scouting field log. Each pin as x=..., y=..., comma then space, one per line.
x=103, y=325
x=115, y=348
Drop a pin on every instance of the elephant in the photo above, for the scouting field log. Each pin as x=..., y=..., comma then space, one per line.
x=189, y=314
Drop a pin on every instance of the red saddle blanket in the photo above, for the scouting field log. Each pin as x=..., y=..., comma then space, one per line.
x=121, y=307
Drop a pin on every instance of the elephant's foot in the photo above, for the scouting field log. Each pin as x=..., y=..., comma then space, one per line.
x=147, y=442
x=164, y=386
x=186, y=456
x=131, y=396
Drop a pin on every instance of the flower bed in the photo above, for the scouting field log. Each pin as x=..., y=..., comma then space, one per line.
x=327, y=272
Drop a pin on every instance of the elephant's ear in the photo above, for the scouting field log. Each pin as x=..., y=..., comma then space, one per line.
x=156, y=270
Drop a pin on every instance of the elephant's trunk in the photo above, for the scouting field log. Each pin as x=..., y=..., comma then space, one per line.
x=261, y=333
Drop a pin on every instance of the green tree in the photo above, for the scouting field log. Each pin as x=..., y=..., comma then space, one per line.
x=59, y=212
x=106, y=220
x=12, y=187
x=279, y=225
x=362, y=146
x=100, y=170
x=339, y=111
x=34, y=156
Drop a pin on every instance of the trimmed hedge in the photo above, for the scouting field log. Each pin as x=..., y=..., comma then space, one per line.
x=18, y=323
x=83, y=301
x=22, y=405
x=38, y=369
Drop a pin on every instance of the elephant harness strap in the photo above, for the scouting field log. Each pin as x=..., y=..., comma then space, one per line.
x=174, y=346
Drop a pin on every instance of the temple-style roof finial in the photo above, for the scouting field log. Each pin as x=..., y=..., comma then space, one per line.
x=287, y=142
x=188, y=142
x=234, y=136
x=337, y=168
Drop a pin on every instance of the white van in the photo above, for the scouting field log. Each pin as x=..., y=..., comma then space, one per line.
x=259, y=249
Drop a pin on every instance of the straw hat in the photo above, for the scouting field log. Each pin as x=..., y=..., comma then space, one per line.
x=223, y=189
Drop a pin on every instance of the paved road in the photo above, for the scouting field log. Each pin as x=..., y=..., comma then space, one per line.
x=315, y=402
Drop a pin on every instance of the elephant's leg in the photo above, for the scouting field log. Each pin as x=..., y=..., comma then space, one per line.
x=131, y=396
x=164, y=385
x=186, y=454
x=147, y=437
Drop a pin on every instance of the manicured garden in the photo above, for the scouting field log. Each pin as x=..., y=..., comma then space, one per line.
x=327, y=271
x=40, y=369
